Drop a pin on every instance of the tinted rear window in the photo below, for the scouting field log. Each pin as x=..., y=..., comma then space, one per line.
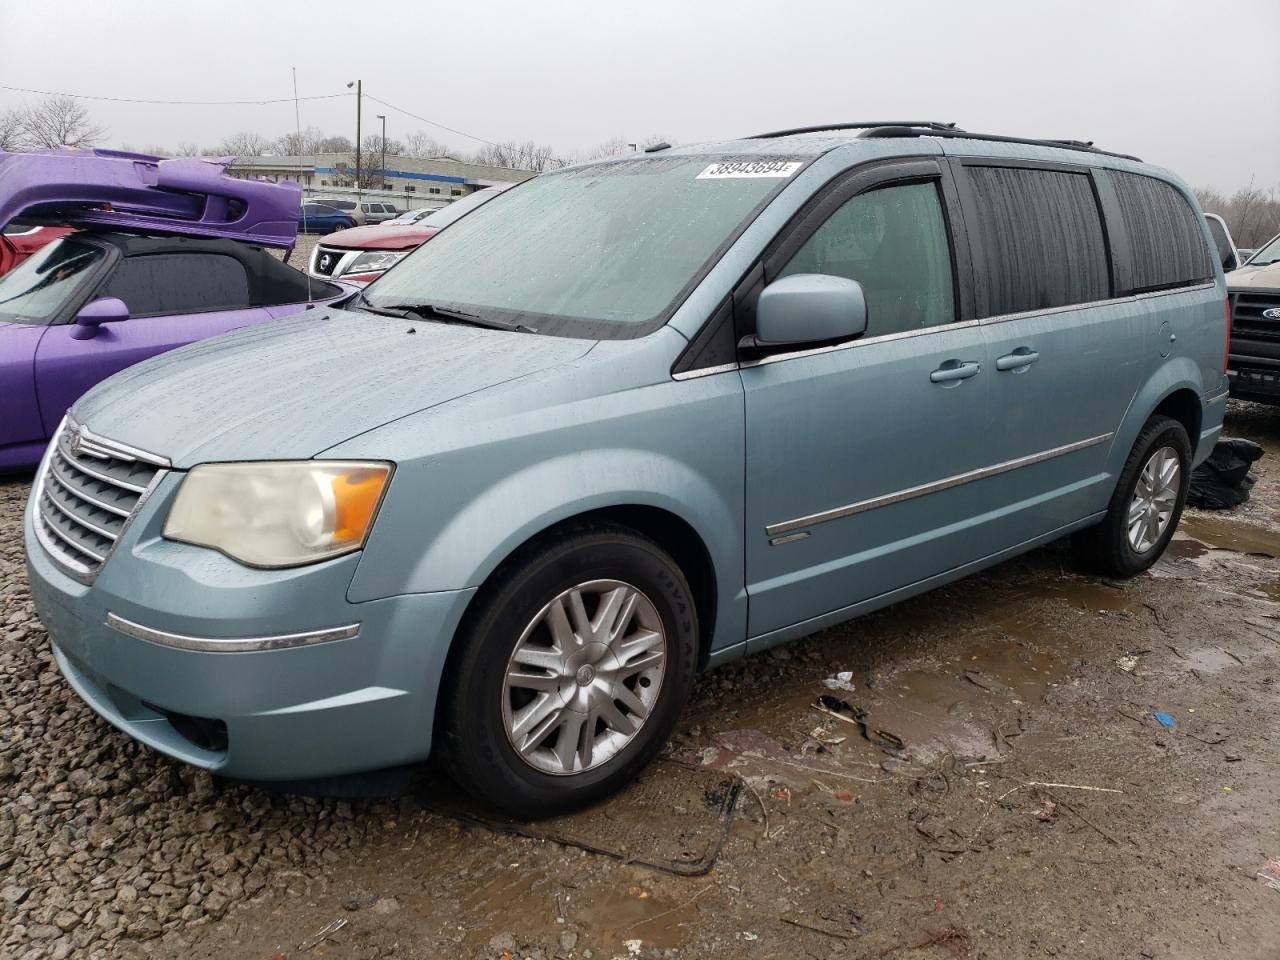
x=171, y=283
x=1168, y=245
x=1043, y=237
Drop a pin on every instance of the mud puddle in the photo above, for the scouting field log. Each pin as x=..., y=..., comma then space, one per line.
x=641, y=912
x=1224, y=534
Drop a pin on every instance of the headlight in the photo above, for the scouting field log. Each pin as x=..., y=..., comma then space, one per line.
x=374, y=260
x=278, y=514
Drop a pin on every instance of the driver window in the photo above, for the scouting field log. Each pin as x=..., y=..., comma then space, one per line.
x=894, y=242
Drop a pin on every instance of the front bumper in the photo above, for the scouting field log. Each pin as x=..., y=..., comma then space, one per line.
x=343, y=704
x=1253, y=371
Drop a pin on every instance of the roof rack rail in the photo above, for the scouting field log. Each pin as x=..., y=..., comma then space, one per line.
x=794, y=131
x=923, y=130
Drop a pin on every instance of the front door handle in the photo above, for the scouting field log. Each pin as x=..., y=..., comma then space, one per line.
x=1020, y=359
x=954, y=371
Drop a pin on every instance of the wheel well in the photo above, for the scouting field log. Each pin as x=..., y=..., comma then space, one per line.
x=671, y=533
x=1183, y=406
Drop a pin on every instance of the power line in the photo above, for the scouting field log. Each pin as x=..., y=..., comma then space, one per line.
x=179, y=103
x=245, y=103
x=434, y=123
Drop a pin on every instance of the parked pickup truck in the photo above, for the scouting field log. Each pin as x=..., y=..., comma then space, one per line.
x=1254, y=292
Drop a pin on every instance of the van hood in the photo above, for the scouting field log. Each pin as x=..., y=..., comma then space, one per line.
x=293, y=388
x=1255, y=278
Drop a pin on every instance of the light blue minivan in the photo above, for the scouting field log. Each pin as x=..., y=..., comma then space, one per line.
x=627, y=421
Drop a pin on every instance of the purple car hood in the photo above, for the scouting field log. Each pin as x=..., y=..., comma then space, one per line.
x=132, y=191
x=293, y=388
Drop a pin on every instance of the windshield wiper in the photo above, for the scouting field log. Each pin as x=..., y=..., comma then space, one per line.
x=361, y=302
x=429, y=311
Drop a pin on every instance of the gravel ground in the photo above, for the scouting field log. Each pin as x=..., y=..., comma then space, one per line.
x=1013, y=796
x=103, y=840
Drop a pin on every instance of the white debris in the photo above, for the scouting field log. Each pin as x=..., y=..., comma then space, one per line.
x=841, y=681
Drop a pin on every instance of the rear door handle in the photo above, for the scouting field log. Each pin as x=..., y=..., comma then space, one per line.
x=1020, y=359
x=952, y=371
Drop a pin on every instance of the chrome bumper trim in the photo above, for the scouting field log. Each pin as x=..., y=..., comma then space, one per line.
x=936, y=486
x=229, y=644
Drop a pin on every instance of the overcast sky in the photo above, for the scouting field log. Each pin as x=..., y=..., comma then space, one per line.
x=1187, y=84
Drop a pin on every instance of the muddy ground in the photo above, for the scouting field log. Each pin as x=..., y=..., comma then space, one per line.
x=1009, y=793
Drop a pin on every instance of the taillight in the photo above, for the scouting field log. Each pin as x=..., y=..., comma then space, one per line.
x=1226, y=356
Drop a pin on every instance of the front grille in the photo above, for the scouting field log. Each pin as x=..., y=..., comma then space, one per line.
x=326, y=260
x=87, y=491
x=1246, y=315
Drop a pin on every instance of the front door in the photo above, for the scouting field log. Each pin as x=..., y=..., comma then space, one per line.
x=857, y=453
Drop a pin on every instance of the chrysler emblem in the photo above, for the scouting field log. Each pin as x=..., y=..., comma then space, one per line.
x=76, y=443
x=1272, y=314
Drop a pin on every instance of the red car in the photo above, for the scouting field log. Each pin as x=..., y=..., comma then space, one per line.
x=18, y=242
x=362, y=254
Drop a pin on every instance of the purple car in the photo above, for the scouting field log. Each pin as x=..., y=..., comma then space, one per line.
x=167, y=252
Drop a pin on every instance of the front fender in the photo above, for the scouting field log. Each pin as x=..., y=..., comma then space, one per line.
x=519, y=506
x=453, y=514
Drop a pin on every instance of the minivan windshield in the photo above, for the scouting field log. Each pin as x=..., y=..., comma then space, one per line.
x=35, y=290
x=604, y=251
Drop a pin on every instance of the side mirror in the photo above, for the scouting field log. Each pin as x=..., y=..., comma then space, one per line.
x=810, y=308
x=1230, y=262
x=97, y=312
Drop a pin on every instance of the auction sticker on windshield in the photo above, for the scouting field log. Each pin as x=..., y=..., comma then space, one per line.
x=737, y=169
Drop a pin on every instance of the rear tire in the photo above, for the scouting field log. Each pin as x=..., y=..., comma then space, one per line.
x=570, y=672
x=1146, y=506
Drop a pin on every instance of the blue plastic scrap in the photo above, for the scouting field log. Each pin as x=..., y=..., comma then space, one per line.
x=1165, y=720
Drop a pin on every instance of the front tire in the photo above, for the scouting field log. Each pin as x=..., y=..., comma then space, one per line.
x=1147, y=503
x=571, y=672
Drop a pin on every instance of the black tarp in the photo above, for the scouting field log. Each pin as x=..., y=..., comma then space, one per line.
x=1224, y=479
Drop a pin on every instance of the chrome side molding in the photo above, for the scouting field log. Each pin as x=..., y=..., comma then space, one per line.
x=778, y=530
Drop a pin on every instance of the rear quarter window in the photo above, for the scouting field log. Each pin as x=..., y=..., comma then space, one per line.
x=1165, y=238
x=1042, y=234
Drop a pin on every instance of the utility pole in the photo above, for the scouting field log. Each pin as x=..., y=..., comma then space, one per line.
x=383, y=169
x=359, y=98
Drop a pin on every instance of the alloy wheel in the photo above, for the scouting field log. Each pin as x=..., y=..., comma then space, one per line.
x=1154, y=499
x=584, y=677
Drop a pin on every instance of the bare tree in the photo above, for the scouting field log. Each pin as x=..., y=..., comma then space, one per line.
x=372, y=176
x=519, y=156
x=372, y=144
x=188, y=150
x=618, y=146
x=300, y=143
x=613, y=147
x=245, y=144
x=1252, y=214
x=337, y=144
x=424, y=146
x=59, y=122
x=12, y=131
